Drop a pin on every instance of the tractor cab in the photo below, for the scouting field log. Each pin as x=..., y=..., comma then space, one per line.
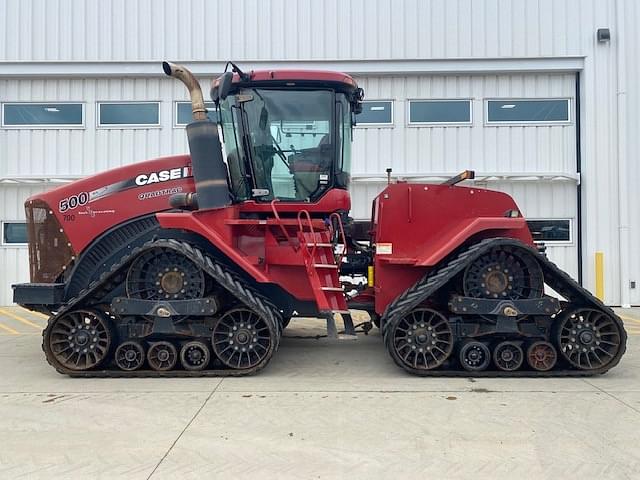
x=286, y=135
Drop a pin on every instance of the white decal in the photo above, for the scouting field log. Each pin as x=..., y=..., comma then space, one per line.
x=163, y=176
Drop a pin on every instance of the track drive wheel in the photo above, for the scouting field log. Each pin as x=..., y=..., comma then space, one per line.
x=504, y=273
x=242, y=339
x=474, y=356
x=421, y=340
x=541, y=356
x=78, y=340
x=195, y=355
x=508, y=356
x=165, y=274
x=588, y=339
x=129, y=356
x=162, y=356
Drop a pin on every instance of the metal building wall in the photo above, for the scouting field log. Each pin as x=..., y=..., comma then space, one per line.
x=117, y=30
x=34, y=34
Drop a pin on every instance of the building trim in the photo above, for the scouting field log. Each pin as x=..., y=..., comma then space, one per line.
x=458, y=66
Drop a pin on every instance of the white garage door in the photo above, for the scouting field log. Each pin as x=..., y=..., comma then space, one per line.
x=517, y=131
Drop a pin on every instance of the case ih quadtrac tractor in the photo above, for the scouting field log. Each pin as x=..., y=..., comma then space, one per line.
x=194, y=264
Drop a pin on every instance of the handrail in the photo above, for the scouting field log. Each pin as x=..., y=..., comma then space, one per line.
x=282, y=227
x=344, y=238
x=313, y=233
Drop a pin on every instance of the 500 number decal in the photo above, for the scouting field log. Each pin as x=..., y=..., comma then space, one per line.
x=73, y=201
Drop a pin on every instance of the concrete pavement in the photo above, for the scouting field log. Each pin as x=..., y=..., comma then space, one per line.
x=321, y=409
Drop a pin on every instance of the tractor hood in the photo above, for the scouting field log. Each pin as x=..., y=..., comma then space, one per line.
x=67, y=218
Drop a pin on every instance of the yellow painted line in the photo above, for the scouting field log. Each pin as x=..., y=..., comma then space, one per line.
x=9, y=329
x=36, y=314
x=20, y=319
x=629, y=319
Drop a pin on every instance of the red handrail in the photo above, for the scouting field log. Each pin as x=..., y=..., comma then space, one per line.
x=344, y=238
x=282, y=227
x=302, y=213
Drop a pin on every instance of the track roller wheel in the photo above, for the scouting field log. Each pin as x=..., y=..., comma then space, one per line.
x=421, y=340
x=504, y=273
x=162, y=356
x=541, y=356
x=242, y=339
x=129, y=356
x=508, y=356
x=474, y=356
x=195, y=355
x=78, y=340
x=589, y=339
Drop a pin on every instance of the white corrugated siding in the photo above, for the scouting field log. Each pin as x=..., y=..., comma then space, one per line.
x=78, y=30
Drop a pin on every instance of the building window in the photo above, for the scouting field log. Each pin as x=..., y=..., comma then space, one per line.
x=184, y=117
x=42, y=115
x=538, y=111
x=439, y=112
x=551, y=231
x=128, y=114
x=14, y=233
x=378, y=112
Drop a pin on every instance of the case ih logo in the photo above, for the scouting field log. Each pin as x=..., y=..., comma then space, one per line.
x=163, y=176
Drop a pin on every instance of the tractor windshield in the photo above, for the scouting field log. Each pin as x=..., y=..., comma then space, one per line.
x=292, y=145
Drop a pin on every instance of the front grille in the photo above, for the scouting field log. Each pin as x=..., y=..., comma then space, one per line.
x=50, y=252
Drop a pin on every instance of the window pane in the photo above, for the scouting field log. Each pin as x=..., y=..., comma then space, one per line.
x=528, y=111
x=550, y=230
x=184, y=112
x=440, y=111
x=129, y=114
x=375, y=112
x=14, y=232
x=42, y=114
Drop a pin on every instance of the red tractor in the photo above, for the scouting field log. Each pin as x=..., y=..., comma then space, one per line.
x=194, y=264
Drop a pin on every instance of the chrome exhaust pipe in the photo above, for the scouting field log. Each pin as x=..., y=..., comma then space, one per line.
x=199, y=112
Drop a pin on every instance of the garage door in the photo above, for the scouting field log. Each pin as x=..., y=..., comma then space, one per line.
x=517, y=131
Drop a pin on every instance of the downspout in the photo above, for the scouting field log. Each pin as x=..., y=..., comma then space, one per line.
x=623, y=167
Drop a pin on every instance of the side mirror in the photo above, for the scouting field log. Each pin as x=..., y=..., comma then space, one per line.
x=222, y=87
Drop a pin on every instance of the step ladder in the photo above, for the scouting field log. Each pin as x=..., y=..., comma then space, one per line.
x=324, y=274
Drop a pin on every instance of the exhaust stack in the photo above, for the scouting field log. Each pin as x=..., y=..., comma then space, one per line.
x=210, y=172
x=198, y=109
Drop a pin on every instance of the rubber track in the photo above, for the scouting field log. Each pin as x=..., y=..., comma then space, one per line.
x=557, y=279
x=226, y=278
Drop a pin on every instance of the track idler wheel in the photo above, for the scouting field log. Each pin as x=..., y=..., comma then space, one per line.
x=588, y=339
x=78, y=340
x=162, y=356
x=422, y=340
x=542, y=356
x=129, y=356
x=474, y=356
x=242, y=339
x=195, y=356
x=508, y=356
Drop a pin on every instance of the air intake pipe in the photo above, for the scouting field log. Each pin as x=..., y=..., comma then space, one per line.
x=209, y=170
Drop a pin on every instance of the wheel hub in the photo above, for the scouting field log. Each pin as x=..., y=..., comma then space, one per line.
x=163, y=355
x=130, y=355
x=496, y=281
x=172, y=282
